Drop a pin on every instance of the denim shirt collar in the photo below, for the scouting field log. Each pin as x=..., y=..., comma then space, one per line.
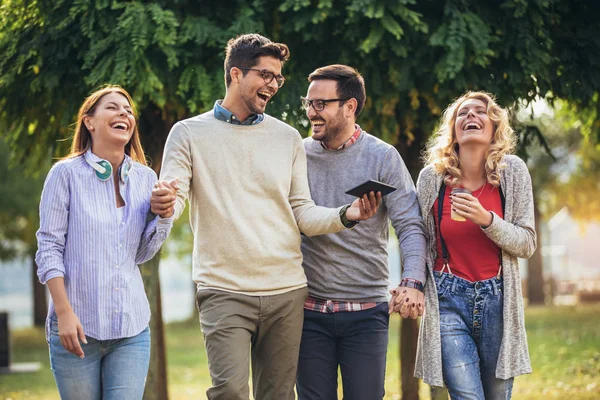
x=225, y=115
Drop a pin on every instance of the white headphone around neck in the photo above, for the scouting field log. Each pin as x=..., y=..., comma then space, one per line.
x=104, y=169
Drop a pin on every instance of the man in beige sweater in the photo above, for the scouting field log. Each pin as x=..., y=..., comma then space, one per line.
x=244, y=173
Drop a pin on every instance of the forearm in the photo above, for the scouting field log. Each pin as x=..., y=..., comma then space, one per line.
x=56, y=286
x=314, y=220
x=153, y=238
x=177, y=164
x=519, y=241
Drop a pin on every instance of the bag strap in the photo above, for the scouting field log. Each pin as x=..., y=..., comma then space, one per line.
x=441, y=196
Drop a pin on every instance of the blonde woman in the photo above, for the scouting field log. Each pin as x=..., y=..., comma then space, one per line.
x=96, y=226
x=473, y=336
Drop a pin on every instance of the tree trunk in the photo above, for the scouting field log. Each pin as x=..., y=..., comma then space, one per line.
x=156, y=383
x=155, y=127
x=535, y=276
x=409, y=331
x=40, y=305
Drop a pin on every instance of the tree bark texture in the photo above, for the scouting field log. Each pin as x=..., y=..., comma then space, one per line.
x=409, y=331
x=40, y=304
x=535, y=275
x=156, y=382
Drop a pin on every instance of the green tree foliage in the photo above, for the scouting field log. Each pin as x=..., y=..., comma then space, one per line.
x=169, y=55
x=416, y=57
x=569, y=175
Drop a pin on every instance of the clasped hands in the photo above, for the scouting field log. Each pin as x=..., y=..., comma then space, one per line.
x=408, y=302
x=164, y=195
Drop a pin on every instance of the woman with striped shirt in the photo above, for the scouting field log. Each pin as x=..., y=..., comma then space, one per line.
x=96, y=227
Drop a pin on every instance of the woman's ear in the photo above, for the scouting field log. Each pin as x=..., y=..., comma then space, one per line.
x=88, y=123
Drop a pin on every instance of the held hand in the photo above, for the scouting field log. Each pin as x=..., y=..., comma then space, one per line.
x=364, y=207
x=408, y=302
x=469, y=207
x=70, y=332
x=164, y=195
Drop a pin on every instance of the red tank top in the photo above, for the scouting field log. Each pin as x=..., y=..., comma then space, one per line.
x=471, y=254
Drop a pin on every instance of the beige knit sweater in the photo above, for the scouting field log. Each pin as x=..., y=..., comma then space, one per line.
x=249, y=200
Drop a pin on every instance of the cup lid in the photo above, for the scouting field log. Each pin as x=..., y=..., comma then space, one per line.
x=460, y=190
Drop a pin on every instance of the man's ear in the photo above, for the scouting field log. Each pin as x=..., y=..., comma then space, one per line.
x=236, y=74
x=351, y=106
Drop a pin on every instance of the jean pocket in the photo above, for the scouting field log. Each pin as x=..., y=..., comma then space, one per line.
x=442, y=285
x=443, y=292
x=53, y=325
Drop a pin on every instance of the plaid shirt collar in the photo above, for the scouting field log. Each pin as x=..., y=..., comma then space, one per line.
x=347, y=143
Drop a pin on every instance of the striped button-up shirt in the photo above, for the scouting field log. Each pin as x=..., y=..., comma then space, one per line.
x=83, y=239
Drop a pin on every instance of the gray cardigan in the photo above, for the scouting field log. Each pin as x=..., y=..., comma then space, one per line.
x=515, y=235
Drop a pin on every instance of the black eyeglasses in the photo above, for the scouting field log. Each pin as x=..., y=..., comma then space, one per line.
x=267, y=75
x=318, y=104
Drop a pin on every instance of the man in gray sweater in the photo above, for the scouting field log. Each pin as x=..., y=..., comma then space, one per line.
x=346, y=315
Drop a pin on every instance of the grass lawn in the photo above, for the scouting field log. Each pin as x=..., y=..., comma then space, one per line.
x=564, y=345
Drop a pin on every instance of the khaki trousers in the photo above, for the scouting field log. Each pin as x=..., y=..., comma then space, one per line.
x=265, y=330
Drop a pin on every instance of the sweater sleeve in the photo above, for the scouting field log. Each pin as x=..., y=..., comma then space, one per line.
x=405, y=215
x=312, y=220
x=517, y=237
x=177, y=163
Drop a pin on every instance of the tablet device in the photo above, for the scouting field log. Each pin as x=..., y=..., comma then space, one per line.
x=371, y=186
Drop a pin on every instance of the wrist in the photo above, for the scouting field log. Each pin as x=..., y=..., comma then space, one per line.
x=488, y=221
x=344, y=218
x=62, y=311
x=412, y=283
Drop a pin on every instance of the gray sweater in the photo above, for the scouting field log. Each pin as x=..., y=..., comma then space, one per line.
x=515, y=235
x=352, y=265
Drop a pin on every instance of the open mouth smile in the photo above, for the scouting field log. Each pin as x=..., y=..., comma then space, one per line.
x=264, y=95
x=470, y=126
x=120, y=125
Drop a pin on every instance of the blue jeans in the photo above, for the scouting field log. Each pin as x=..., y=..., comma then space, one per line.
x=356, y=341
x=471, y=332
x=111, y=369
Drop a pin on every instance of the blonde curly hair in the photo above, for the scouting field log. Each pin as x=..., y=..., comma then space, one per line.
x=442, y=149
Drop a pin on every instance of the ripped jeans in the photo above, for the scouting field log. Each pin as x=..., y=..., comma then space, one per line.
x=471, y=332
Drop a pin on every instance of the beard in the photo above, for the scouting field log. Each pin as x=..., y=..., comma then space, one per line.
x=334, y=127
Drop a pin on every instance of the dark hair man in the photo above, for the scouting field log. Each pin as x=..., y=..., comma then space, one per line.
x=244, y=173
x=346, y=314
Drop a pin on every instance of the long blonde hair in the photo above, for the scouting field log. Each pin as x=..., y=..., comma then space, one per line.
x=82, y=139
x=442, y=149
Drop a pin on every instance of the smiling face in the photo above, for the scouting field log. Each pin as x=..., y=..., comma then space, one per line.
x=112, y=123
x=254, y=93
x=331, y=123
x=472, y=124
